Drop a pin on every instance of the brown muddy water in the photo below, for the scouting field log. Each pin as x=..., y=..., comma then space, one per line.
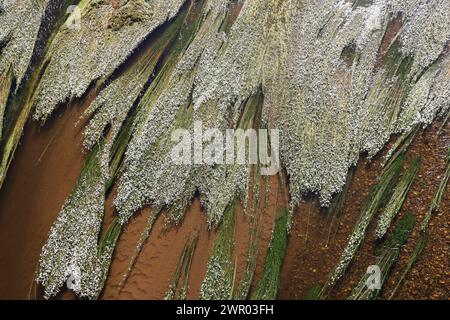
x=49, y=160
x=45, y=168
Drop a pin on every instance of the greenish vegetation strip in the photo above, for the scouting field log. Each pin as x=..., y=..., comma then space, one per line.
x=182, y=271
x=398, y=198
x=423, y=237
x=435, y=204
x=444, y=123
x=314, y=293
x=170, y=295
x=378, y=196
x=268, y=286
x=187, y=269
x=218, y=282
x=106, y=249
x=388, y=255
x=243, y=289
x=337, y=207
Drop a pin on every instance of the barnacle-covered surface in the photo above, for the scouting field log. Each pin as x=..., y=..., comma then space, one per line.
x=315, y=70
x=148, y=157
x=328, y=111
x=72, y=247
x=108, y=32
x=19, y=26
x=112, y=106
x=5, y=87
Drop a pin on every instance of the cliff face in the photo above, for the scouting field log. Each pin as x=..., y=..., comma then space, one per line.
x=336, y=78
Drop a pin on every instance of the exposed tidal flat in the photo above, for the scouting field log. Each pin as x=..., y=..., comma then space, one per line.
x=357, y=89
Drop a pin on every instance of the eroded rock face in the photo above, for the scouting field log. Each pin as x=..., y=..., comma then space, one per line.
x=316, y=64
